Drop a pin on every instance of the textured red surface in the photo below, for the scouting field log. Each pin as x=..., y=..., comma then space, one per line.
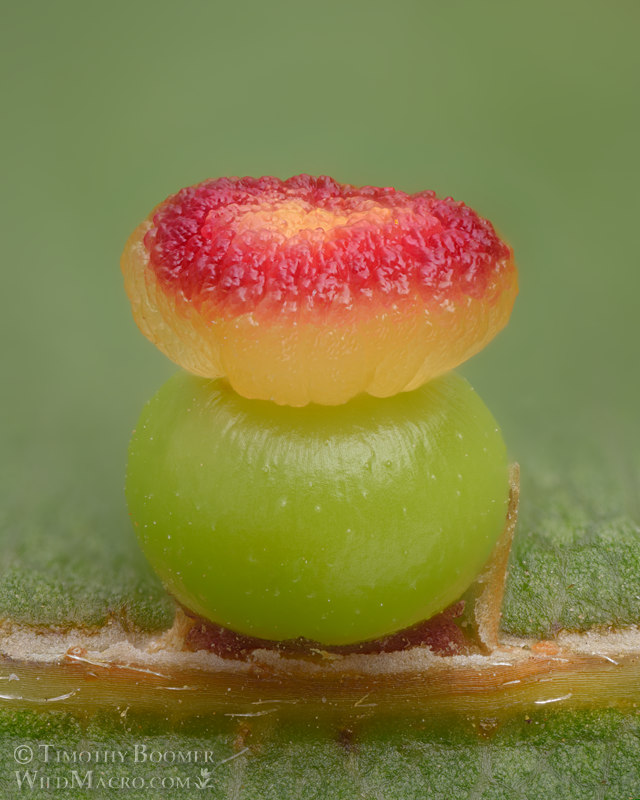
x=440, y=633
x=305, y=243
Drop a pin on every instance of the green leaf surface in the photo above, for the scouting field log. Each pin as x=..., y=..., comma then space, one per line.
x=572, y=755
x=575, y=561
x=69, y=556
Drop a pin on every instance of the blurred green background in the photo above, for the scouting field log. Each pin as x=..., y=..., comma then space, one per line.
x=527, y=112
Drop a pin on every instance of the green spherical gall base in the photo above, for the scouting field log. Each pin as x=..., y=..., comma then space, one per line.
x=336, y=524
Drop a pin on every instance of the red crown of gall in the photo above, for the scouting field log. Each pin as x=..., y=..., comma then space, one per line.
x=242, y=244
